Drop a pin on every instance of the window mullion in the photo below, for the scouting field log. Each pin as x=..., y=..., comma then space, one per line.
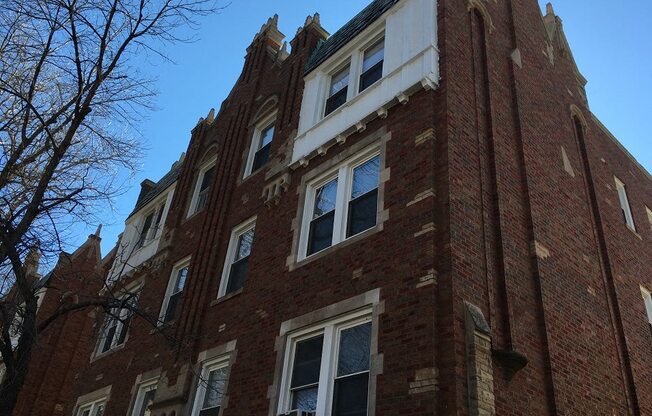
x=340, y=205
x=354, y=74
x=324, y=392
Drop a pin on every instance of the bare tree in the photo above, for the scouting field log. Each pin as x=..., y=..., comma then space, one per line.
x=70, y=94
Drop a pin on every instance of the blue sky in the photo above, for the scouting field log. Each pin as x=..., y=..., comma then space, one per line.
x=611, y=41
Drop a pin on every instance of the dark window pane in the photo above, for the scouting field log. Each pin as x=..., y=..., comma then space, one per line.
x=325, y=199
x=368, y=78
x=336, y=101
x=172, y=307
x=365, y=177
x=143, y=232
x=237, y=275
x=180, y=283
x=350, y=396
x=125, y=328
x=215, y=411
x=159, y=216
x=215, y=386
x=261, y=157
x=148, y=399
x=339, y=81
x=307, y=362
x=355, y=349
x=321, y=233
x=305, y=399
x=207, y=179
x=266, y=136
x=245, y=242
x=108, y=340
x=362, y=213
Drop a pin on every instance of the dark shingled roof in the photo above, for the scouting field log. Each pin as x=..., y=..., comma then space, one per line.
x=350, y=30
x=165, y=182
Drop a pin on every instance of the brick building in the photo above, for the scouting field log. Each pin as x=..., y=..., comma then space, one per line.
x=416, y=215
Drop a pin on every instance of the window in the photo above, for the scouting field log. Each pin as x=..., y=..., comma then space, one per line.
x=327, y=368
x=16, y=328
x=237, y=258
x=211, y=388
x=115, y=328
x=649, y=216
x=365, y=66
x=372, y=65
x=174, y=291
x=624, y=204
x=95, y=408
x=202, y=189
x=261, y=144
x=145, y=398
x=339, y=88
x=151, y=225
x=647, y=298
x=341, y=205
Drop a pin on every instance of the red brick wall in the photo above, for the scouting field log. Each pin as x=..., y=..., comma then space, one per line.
x=507, y=229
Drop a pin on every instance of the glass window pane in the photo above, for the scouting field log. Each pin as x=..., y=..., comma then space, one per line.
x=373, y=55
x=305, y=399
x=181, y=280
x=355, y=348
x=321, y=233
x=85, y=412
x=325, y=199
x=261, y=157
x=339, y=81
x=365, y=177
x=207, y=179
x=215, y=385
x=99, y=410
x=244, y=244
x=350, y=396
x=266, y=136
x=148, y=399
x=213, y=411
x=170, y=314
x=237, y=275
x=307, y=362
x=363, y=213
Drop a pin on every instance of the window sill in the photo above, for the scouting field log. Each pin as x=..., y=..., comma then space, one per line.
x=162, y=327
x=631, y=230
x=345, y=243
x=109, y=352
x=226, y=297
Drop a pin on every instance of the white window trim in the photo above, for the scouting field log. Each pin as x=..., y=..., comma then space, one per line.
x=134, y=289
x=649, y=215
x=143, y=388
x=192, y=209
x=92, y=406
x=623, y=198
x=354, y=59
x=254, y=145
x=330, y=350
x=154, y=231
x=647, y=299
x=344, y=174
x=231, y=251
x=168, y=291
x=206, y=368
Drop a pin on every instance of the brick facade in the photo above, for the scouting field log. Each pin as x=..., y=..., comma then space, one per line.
x=507, y=281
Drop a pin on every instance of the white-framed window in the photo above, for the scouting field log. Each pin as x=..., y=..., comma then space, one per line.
x=16, y=328
x=202, y=187
x=237, y=258
x=361, y=70
x=94, y=408
x=145, y=398
x=647, y=299
x=151, y=225
x=261, y=143
x=174, y=291
x=341, y=204
x=327, y=368
x=649, y=216
x=211, y=388
x=116, y=325
x=624, y=204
